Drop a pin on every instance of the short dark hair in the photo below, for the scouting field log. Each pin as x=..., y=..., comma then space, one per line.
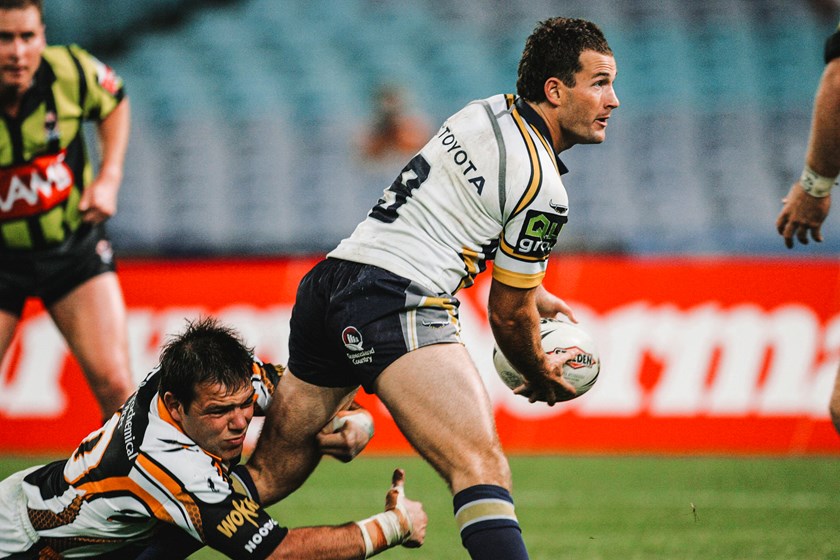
x=22, y=4
x=206, y=352
x=553, y=51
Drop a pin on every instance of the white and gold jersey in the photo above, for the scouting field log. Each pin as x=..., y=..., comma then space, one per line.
x=135, y=472
x=487, y=186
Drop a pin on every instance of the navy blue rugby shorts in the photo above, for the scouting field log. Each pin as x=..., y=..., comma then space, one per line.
x=51, y=274
x=350, y=321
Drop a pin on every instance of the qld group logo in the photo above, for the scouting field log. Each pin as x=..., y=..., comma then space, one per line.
x=539, y=233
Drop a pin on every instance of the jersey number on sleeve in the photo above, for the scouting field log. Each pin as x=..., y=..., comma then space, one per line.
x=412, y=176
x=89, y=453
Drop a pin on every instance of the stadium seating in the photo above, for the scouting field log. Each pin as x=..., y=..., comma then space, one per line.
x=246, y=113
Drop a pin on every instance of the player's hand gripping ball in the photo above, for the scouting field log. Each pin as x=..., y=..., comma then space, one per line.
x=558, y=336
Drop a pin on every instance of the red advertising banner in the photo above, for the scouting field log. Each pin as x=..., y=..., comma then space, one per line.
x=698, y=355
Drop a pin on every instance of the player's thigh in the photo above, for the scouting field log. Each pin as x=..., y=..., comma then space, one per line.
x=92, y=318
x=437, y=398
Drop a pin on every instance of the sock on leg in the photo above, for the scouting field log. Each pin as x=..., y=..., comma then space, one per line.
x=488, y=524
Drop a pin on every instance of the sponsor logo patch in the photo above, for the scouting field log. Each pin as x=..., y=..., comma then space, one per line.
x=244, y=511
x=352, y=339
x=258, y=537
x=539, y=233
x=34, y=188
x=107, y=78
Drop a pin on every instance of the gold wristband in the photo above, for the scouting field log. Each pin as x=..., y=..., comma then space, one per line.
x=815, y=184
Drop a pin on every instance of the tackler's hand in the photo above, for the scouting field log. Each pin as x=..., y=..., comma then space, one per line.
x=347, y=434
x=412, y=517
x=402, y=523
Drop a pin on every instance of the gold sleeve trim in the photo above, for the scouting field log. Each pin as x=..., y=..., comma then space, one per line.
x=517, y=279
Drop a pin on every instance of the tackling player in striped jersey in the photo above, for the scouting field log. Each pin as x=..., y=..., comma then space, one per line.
x=380, y=312
x=168, y=458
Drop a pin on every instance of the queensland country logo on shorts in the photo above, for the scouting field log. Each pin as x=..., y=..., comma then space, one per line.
x=105, y=251
x=352, y=340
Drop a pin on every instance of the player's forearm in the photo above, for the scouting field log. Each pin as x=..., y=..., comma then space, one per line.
x=114, y=132
x=823, y=154
x=321, y=543
x=275, y=480
x=514, y=320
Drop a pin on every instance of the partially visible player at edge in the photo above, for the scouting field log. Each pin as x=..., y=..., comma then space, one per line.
x=806, y=205
x=168, y=458
x=53, y=243
x=380, y=311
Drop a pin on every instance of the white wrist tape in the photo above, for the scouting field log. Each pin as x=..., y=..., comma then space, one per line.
x=815, y=184
x=382, y=531
x=369, y=549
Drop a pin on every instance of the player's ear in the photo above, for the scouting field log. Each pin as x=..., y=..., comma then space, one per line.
x=552, y=90
x=174, y=406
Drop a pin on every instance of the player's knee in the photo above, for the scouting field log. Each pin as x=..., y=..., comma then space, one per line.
x=112, y=383
x=487, y=466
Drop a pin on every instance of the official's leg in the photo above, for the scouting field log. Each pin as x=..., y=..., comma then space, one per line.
x=834, y=403
x=438, y=400
x=92, y=318
x=287, y=450
x=15, y=281
x=8, y=324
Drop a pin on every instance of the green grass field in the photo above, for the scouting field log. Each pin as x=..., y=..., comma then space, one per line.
x=611, y=507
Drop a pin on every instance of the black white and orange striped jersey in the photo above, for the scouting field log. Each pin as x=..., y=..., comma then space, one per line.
x=140, y=470
x=43, y=161
x=487, y=186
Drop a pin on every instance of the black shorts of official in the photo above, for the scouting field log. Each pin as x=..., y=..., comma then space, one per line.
x=51, y=274
x=350, y=321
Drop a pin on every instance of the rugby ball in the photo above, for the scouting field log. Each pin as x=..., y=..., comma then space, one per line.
x=558, y=336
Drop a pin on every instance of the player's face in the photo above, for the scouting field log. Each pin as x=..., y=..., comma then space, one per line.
x=217, y=419
x=22, y=41
x=585, y=108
